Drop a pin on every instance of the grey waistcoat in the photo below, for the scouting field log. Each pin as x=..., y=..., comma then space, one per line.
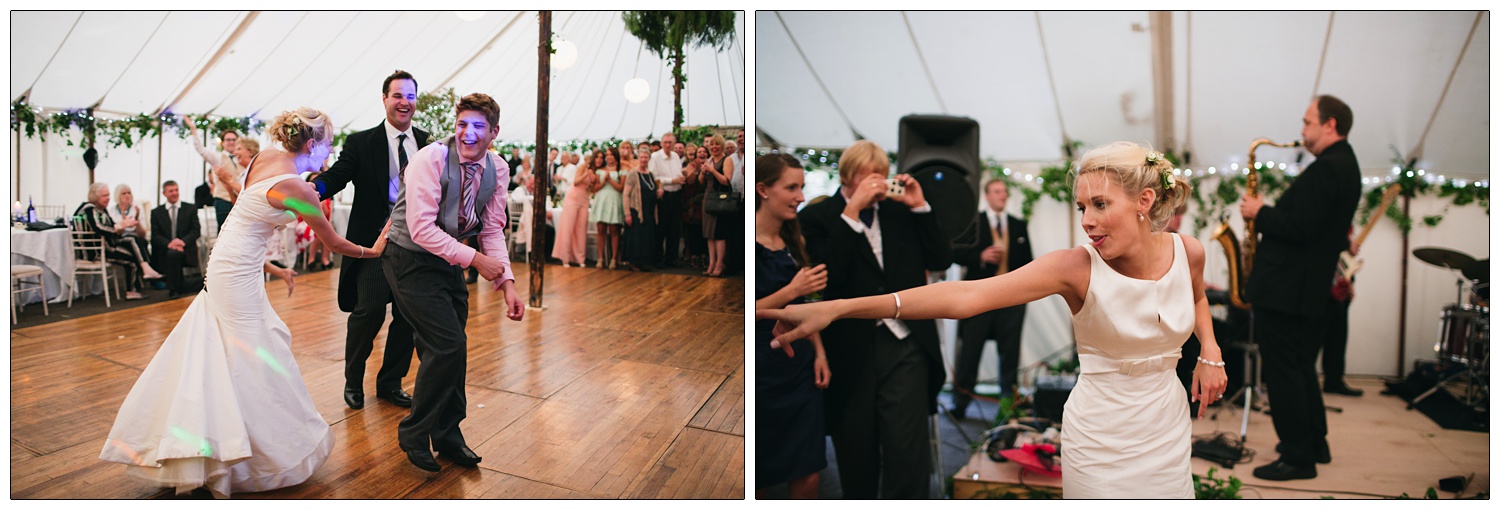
x=452, y=182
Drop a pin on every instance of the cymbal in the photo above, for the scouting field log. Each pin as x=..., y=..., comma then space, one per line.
x=1444, y=258
x=1479, y=271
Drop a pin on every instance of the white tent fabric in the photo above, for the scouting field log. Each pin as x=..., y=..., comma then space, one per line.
x=1252, y=75
x=143, y=62
x=267, y=62
x=1236, y=76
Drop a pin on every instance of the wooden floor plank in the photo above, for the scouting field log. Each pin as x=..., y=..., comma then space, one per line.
x=725, y=410
x=696, y=340
x=564, y=416
x=633, y=410
x=698, y=466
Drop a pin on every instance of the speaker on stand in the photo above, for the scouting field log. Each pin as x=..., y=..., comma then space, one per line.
x=942, y=153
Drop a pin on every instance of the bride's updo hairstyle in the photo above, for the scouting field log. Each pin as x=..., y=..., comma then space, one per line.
x=1138, y=168
x=294, y=130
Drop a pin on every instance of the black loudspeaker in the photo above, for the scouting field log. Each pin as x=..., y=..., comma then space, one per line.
x=942, y=153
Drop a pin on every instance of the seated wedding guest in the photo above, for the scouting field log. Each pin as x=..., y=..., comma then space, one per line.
x=788, y=389
x=124, y=209
x=174, y=237
x=641, y=194
x=95, y=217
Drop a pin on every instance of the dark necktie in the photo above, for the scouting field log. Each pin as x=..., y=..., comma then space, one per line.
x=467, y=194
x=867, y=215
x=401, y=155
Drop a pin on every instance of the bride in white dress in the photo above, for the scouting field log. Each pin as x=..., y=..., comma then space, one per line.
x=1136, y=293
x=222, y=405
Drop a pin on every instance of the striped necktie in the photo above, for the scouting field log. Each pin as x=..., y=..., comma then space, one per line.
x=467, y=194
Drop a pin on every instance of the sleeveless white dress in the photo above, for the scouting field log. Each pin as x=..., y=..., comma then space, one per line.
x=1126, y=428
x=222, y=405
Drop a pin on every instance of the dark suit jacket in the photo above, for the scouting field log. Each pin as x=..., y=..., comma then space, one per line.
x=1302, y=235
x=188, y=230
x=1018, y=255
x=365, y=160
x=912, y=245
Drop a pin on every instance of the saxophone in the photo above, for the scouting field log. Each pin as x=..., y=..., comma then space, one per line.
x=1240, y=259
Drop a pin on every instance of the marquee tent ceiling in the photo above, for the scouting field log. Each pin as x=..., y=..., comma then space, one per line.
x=145, y=62
x=1236, y=76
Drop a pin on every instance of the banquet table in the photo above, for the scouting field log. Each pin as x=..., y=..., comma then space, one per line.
x=51, y=250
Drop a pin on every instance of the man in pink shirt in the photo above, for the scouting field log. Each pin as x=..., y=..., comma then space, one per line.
x=451, y=191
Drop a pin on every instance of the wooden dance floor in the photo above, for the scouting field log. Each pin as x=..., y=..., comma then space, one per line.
x=629, y=385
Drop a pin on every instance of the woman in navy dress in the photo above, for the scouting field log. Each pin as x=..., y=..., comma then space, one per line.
x=788, y=389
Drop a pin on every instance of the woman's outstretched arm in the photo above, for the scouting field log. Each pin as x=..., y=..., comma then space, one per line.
x=1062, y=272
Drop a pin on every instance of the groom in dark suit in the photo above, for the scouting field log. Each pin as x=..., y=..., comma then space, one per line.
x=374, y=159
x=1300, y=240
x=174, y=237
x=889, y=371
x=1003, y=246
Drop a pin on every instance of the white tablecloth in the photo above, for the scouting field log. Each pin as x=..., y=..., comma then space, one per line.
x=53, y=251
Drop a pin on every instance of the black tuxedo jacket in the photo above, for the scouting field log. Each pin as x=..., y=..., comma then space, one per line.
x=366, y=161
x=1302, y=235
x=911, y=245
x=1018, y=254
x=188, y=231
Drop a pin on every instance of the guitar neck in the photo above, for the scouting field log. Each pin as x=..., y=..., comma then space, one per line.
x=1385, y=202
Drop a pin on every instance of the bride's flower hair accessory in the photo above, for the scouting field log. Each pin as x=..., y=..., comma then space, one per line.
x=1152, y=158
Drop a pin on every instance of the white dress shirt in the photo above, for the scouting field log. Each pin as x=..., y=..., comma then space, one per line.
x=666, y=166
x=391, y=136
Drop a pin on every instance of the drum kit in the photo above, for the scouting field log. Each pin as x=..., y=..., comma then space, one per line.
x=1464, y=333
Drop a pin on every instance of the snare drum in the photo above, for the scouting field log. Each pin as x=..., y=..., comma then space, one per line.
x=1465, y=334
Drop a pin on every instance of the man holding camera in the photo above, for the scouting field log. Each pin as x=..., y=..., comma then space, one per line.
x=890, y=371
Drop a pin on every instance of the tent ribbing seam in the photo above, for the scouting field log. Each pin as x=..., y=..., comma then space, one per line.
x=1421, y=142
x=923, y=60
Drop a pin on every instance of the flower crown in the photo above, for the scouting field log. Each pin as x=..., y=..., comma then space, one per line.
x=1152, y=158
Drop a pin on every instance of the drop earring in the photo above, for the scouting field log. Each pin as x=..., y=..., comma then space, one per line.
x=1140, y=216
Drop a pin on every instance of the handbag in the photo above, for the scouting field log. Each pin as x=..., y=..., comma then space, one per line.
x=721, y=202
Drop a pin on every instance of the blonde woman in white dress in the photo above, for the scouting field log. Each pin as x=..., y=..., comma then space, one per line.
x=222, y=404
x=1136, y=293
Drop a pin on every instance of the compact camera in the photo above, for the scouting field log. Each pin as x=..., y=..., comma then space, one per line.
x=894, y=188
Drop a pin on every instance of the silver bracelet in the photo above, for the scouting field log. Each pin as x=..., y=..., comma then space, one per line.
x=1210, y=363
x=362, y=255
x=898, y=305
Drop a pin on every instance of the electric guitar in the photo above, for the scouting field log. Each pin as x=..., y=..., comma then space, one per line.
x=1343, y=286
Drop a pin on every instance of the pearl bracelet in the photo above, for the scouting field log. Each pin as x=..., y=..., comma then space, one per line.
x=1210, y=363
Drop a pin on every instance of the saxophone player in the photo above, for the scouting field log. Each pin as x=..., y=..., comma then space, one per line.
x=1301, y=237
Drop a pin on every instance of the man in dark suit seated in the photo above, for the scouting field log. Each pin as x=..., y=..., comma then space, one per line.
x=890, y=371
x=374, y=160
x=1003, y=246
x=174, y=237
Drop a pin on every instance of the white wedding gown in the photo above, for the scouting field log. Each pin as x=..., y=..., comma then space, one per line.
x=222, y=405
x=1126, y=427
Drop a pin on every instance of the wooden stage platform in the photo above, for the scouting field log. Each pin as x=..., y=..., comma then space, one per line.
x=628, y=385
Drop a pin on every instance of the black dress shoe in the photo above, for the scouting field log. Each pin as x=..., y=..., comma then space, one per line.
x=423, y=459
x=1324, y=456
x=354, y=398
x=462, y=456
x=1281, y=471
x=396, y=396
x=1340, y=389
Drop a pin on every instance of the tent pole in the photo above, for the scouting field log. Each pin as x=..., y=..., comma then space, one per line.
x=160, y=128
x=18, y=165
x=540, y=171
